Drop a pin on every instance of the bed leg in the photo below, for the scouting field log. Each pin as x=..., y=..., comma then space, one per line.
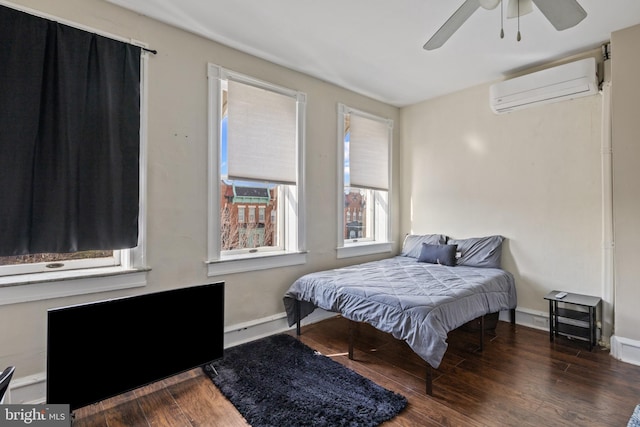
x=513, y=316
x=429, y=381
x=351, y=334
x=297, y=318
x=482, y=333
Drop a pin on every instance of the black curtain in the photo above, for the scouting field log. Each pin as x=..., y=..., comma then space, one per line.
x=69, y=138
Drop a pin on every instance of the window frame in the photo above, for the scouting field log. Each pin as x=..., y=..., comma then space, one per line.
x=291, y=231
x=380, y=239
x=62, y=265
x=131, y=271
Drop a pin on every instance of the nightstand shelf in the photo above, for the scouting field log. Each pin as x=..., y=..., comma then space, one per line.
x=573, y=316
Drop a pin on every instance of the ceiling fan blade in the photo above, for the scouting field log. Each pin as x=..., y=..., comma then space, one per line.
x=453, y=23
x=562, y=14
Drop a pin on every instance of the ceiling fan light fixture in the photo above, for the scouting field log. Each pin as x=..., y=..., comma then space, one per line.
x=517, y=8
x=489, y=4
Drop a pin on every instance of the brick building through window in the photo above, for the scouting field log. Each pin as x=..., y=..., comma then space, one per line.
x=247, y=215
x=354, y=215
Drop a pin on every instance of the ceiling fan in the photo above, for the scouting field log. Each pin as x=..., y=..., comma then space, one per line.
x=562, y=14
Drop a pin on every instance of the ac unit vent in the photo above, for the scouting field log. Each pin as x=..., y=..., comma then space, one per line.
x=567, y=81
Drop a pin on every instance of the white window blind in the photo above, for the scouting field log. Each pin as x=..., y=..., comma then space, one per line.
x=369, y=153
x=261, y=134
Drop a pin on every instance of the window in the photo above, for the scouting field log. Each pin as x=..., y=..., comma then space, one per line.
x=240, y=216
x=364, y=165
x=75, y=209
x=256, y=147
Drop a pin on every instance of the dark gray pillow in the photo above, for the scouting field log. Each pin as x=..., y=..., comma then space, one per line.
x=412, y=244
x=479, y=251
x=438, y=254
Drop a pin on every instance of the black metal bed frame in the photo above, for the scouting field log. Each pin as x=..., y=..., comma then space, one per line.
x=429, y=377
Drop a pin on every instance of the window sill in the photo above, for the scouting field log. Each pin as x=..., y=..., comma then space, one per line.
x=366, y=248
x=41, y=286
x=243, y=264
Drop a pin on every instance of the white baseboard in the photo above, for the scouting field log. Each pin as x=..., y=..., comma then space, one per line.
x=531, y=318
x=32, y=389
x=625, y=349
x=259, y=328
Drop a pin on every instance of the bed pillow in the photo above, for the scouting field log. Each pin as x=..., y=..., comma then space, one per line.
x=479, y=251
x=412, y=244
x=438, y=254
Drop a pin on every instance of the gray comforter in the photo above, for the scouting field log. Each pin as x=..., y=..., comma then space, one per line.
x=414, y=301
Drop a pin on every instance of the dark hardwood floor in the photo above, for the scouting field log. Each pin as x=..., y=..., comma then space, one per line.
x=520, y=379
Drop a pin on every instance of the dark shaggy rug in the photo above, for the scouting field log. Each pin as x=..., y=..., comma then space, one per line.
x=279, y=381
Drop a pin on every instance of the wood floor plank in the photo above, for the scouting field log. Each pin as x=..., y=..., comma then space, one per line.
x=204, y=404
x=160, y=408
x=126, y=414
x=89, y=416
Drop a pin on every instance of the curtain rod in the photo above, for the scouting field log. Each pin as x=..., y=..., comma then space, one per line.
x=72, y=24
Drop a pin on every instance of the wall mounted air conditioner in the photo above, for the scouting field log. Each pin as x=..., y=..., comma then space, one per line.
x=567, y=81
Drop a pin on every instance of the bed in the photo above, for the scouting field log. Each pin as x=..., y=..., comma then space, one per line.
x=434, y=286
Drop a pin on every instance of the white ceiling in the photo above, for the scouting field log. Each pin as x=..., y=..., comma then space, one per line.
x=374, y=47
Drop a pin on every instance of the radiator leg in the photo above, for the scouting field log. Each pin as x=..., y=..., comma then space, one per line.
x=351, y=334
x=297, y=317
x=429, y=381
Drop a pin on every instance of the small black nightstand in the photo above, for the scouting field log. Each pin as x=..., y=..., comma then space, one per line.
x=570, y=322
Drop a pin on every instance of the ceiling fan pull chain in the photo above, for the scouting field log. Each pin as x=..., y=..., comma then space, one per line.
x=518, y=37
x=501, y=20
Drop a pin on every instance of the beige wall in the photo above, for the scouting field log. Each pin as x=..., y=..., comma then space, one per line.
x=177, y=174
x=532, y=176
x=625, y=71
